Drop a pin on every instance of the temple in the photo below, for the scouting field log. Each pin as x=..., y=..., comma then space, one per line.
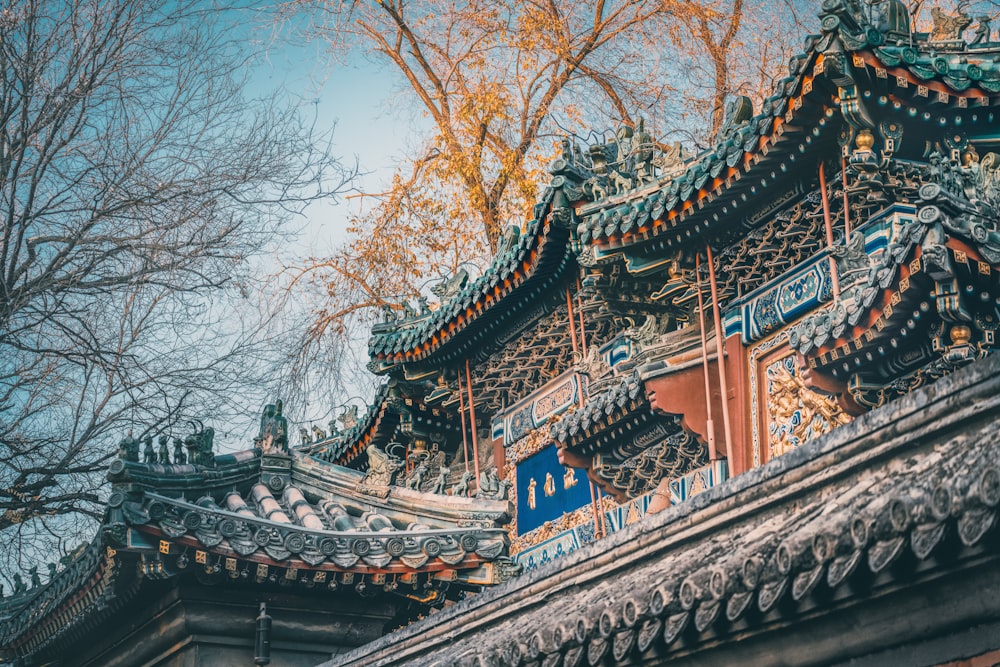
x=737, y=406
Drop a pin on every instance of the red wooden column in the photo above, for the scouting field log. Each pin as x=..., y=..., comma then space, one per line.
x=721, y=361
x=828, y=223
x=847, y=204
x=461, y=411
x=472, y=420
x=710, y=424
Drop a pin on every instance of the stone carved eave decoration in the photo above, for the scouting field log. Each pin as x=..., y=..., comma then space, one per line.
x=253, y=539
x=841, y=530
x=316, y=512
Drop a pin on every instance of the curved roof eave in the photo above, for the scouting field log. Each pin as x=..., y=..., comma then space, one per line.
x=754, y=157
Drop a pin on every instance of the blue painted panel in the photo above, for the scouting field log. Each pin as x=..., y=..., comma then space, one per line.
x=555, y=547
x=785, y=299
x=542, y=493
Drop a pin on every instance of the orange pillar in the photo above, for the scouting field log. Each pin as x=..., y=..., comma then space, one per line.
x=472, y=420
x=829, y=231
x=461, y=411
x=710, y=425
x=721, y=362
x=847, y=205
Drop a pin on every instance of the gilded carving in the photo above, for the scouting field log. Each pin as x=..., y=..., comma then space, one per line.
x=796, y=413
x=534, y=442
x=549, y=529
x=550, y=485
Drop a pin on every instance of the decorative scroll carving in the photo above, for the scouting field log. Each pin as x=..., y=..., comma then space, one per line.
x=540, y=353
x=672, y=457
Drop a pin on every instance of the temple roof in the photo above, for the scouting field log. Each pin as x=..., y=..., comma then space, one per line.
x=872, y=298
x=755, y=154
x=525, y=266
x=602, y=412
x=616, y=403
x=340, y=446
x=755, y=165
x=390, y=412
x=255, y=518
x=304, y=509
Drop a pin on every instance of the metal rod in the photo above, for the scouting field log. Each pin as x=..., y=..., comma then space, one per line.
x=709, y=423
x=600, y=512
x=721, y=361
x=583, y=329
x=576, y=348
x=829, y=231
x=461, y=411
x=847, y=206
x=572, y=324
x=472, y=422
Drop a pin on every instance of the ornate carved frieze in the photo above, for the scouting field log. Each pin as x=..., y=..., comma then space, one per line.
x=924, y=307
x=674, y=454
x=795, y=413
x=527, y=362
x=850, y=517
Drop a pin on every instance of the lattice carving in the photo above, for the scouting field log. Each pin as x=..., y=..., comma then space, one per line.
x=538, y=355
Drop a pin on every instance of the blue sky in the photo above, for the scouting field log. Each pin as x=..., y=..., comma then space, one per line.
x=361, y=99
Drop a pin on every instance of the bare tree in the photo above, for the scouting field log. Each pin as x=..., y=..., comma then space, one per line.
x=138, y=183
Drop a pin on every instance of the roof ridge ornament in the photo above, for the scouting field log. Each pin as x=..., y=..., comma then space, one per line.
x=382, y=469
x=948, y=28
x=273, y=435
x=739, y=111
x=450, y=285
x=629, y=160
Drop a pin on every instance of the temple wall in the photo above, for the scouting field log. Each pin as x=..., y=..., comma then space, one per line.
x=873, y=544
x=189, y=626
